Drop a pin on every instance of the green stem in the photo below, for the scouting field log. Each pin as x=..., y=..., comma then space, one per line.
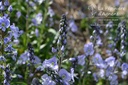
x=26, y=42
x=2, y=48
x=45, y=12
x=26, y=75
x=26, y=30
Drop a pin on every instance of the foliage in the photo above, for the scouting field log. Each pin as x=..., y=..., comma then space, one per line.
x=33, y=52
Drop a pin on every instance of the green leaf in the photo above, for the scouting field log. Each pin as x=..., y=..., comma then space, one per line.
x=18, y=83
x=52, y=31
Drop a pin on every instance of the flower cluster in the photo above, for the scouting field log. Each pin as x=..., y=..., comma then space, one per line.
x=101, y=59
x=62, y=40
x=122, y=36
x=9, y=37
x=109, y=67
x=52, y=66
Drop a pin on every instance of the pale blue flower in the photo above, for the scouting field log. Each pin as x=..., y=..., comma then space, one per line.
x=1, y=6
x=18, y=14
x=38, y=19
x=95, y=76
x=46, y=80
x=124, y=73
x=6, y=40
x=25, y=57
x=2, y=58
x=114, y=82
x=50, y=12
x=65, y=75
x=89, y=49
x=124, y=68
x=15, y=31
x=62, y=48
x=109, y=71
x=19, y=76
x=36, y=32
x=0, y=3
x=4, y=23
x=117, y=2
x=98, y=61
x=51, y=63
x=10, y=8
x=81, y=60
x=73, y=26
x=110, y=61
x=72, y=74
x=9, y=48
x=35, y=81
x=99, y=41
x=101, y=73
x=72, y=59
x=54, y=50
x=6, y=3
x=113, y=79
x=32, y=4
